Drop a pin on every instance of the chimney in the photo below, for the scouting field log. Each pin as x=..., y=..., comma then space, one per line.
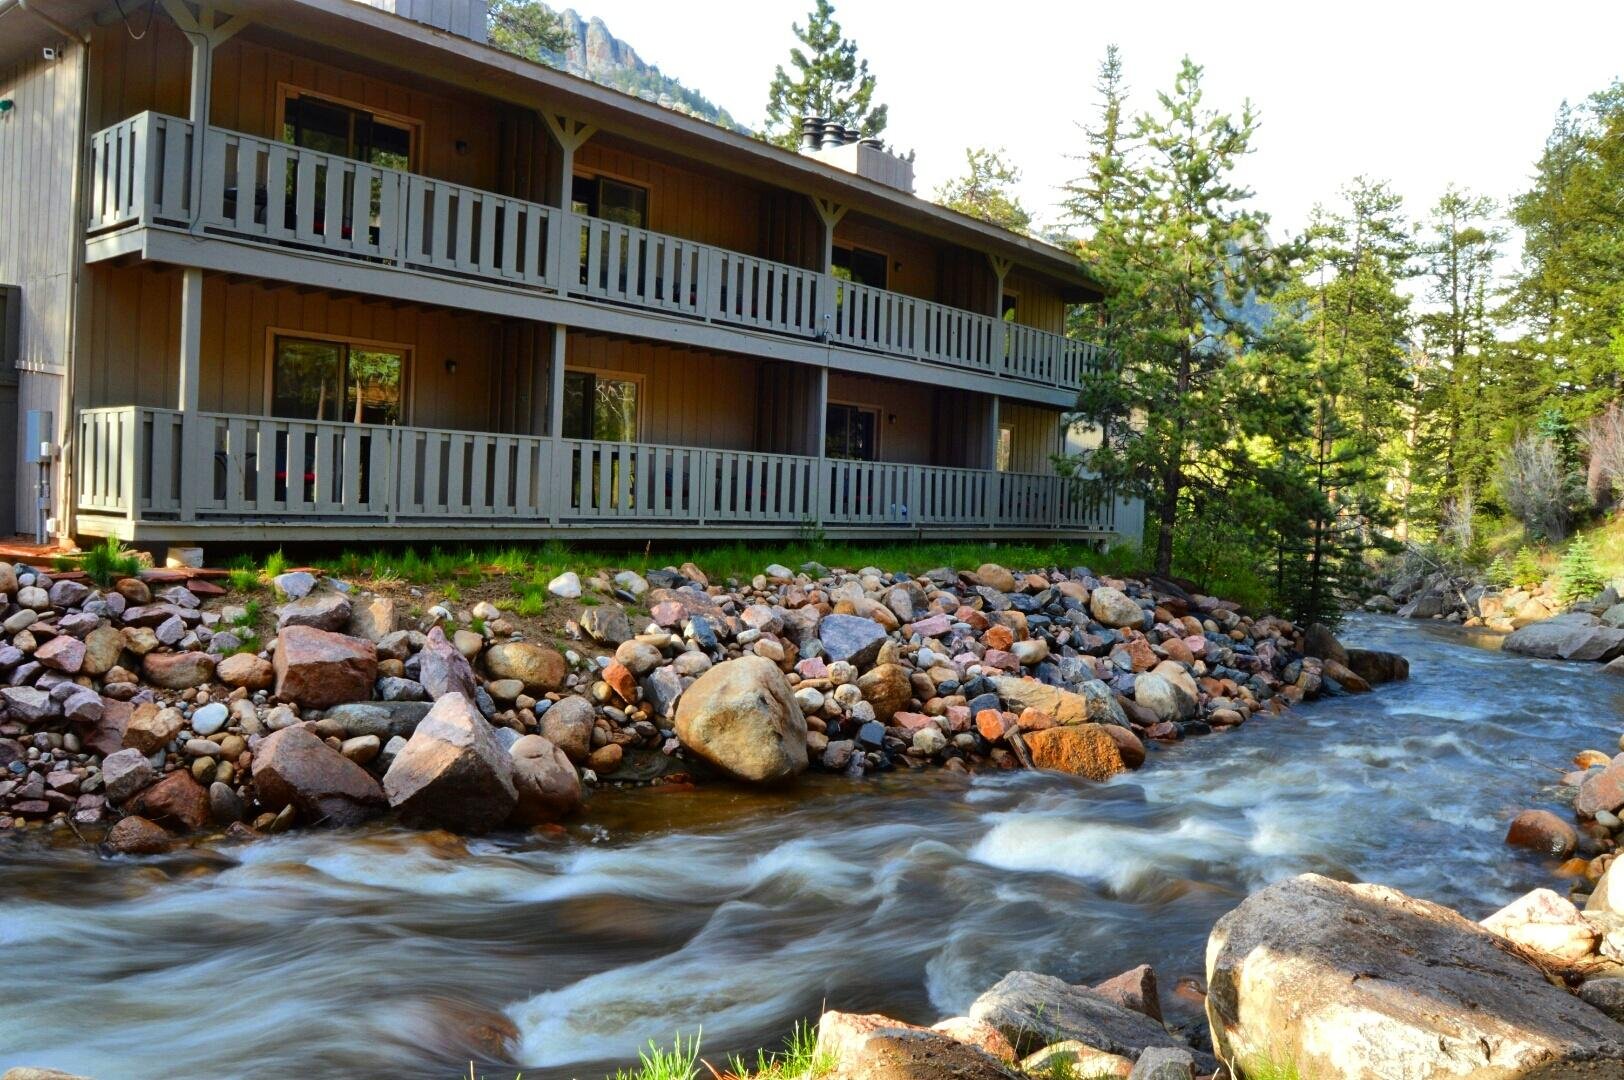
x=811, y=132
x=464, y=18
x=845, y=148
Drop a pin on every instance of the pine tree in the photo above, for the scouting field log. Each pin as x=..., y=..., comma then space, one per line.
x=984, y=191
x=828, y=81
x=529, y=29
x=1525, y=569
x=1578, y=578
x=1185, y=260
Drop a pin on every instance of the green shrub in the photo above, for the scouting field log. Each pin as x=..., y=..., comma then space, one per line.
x=1498, y=573
x=1525, y=569
x=107, y=562
x=1578, y=577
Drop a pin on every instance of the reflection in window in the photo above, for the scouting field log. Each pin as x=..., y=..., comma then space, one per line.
x=1006, y=447
x=859, y=265
x=849, y=432
x=326, y=126
x=612, y=200
x=599, y=407
x=333, y=380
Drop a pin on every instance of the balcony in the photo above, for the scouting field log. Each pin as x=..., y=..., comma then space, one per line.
x=154, y=473
x=144, y=171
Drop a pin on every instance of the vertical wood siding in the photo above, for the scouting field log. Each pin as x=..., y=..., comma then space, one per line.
x=711, y=208
x=908, y=439
x=1035, y=436
x=689, y=397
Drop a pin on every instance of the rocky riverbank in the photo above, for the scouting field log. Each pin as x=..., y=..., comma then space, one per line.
x=151, y=709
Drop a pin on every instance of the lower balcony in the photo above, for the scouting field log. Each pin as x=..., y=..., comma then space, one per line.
x=147, y=474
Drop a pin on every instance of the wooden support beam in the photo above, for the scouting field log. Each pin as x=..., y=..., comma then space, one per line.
x=569, y=134
x=191, y=339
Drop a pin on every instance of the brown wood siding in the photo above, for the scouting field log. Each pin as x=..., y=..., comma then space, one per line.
x=1034, y=437
x=914, y=266
x=695, y=206
x=909, y=438
x=689, y=397
x=1038, y=303
x=154, y=73
x=132, y=345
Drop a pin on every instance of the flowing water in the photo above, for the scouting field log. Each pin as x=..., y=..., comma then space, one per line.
x=393, y=954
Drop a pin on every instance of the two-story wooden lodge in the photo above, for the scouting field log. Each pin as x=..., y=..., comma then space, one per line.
x=298, y=269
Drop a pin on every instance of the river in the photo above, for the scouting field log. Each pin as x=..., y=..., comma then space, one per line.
x=392, y=954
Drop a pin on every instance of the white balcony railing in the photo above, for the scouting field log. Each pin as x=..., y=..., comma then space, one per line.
x=160, y=465
x=268, y=192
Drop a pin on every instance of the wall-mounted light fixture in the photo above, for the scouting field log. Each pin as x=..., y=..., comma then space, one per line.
x=450, y=367
x=462, y=147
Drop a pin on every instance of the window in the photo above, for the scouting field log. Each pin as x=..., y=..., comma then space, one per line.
x=600, y=406
x=1006, y=447
x=337, y=380
x=612, y=200
x=850, y=432
x=860, y=265
x=331, y=127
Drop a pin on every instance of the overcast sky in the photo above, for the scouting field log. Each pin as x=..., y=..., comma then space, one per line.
x=1421, y=92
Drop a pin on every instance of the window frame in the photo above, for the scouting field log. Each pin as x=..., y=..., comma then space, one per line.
x=860, y=406
x=599, y=175
x=885, y=256
x=286, y=92
x=408, y=371
x=634, y=377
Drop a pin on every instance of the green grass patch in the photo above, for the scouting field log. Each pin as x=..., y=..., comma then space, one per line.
x=681, y=1062
x=799, y=1060
x=108, y=561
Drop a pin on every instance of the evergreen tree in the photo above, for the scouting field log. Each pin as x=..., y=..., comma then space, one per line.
x=1454, y=449
x=1578, y=578
x=828, y=81
x=1193, y=380
x=529, y=29
x=984, y=191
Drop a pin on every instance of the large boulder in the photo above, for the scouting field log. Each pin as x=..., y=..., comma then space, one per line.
x=742, y=717
x=540, y=669
x=1318, y=641
x=1363, y=982
x=453, y=773
x=1114, y=608
x=1544, y=832
x=176, y=802
x=1034, y=1011
x=1547, y=924
x=319, y=669
x=325, y=609
x=1086, y=750
x=1092, y=703
x=548, y=785
x=851, y=638
x=443, y=670
x=1576, y=636
x=874, y=1047
x=1377, y=667
x=567, y=724
x=295, y=768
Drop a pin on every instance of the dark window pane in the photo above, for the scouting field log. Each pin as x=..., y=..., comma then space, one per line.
x=318, y=125
x=390, y=146
x=862, y=434
x=584, y=195
x=622, y=202
x=373, y=388
x=849, y=433
x=1007, y=308
x=577, y=393
x=860, y=265
x=305, y=382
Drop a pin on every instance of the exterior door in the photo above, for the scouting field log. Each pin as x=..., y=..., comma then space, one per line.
x=10, y=420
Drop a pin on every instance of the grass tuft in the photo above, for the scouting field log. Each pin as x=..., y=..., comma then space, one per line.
x=681, y=1062
x=107, y=562
x=799, y=1060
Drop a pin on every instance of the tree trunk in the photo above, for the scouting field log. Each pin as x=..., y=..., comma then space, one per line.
x=1167, y=514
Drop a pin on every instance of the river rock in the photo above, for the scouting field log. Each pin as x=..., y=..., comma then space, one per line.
x=887, y=688
x=1093, y=701
x=851, y=638
x=980, y=1034
x=385, y=719
x=373, y=618
x=1164, y=1063
x=606, y=624
x=178, y=671
x=1085, y=750
x=320, y=668
x=1542, y=831
x=568, y=725
x=135, y=835
x=1134, y=989
x=1114, y=608
x=1603, y=789
x=246, y=670
x=293, y=767
x=125, y=773
x=1363, y=982
x=540, y=669
x=151, y=727
x=225, y=805
x=1575, y=636
x=742, y=717
x=1070, y=1058
x=1376, y=667
x=175, y=802
x=1607, y=898
x=453, y=773
x=1606, y=994
x=1035, y=1010
x=324, y=609
x=28, y=704
x=547, y=784
x=442, y=669
x=1151, y=691
x=874, y=1047
x=102, y=648
x=994, y=576
x=1546, y=923
x=62, y=653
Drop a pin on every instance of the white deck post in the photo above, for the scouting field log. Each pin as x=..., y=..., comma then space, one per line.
x=830, y=213
x=196, y=467
x=820, y=428
x=555, y=422
x=568, y=136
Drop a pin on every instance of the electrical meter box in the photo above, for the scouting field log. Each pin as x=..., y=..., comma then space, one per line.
x=38, y=435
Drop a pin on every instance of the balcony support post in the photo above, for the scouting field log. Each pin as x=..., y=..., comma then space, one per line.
x=555, y=421
x=820, y=429
x=568, y=136
x=830, y=213
x=1000, y=346
x=206, y=34
x=990, y=460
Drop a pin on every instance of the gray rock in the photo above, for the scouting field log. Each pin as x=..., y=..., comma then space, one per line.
x=126, y=772
x=1163, y=1063
x=1605, y=994
x=851, y=638
x=396, y=688
x=606, y=624
x=1362, y=981
x=1033, y=1011
x=453, y=772
x=295, y=585
x=663, y=689
x=442, y=669
x=567, y=724
x=324, y=609
x=225, y=805
x=82, y=706
x=385, y=719
x=29, y=705
x=209, y=718
x=1575, y=636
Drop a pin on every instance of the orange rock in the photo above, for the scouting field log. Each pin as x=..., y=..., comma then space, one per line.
x=1032, y=719
x=990, y=722
x=621, y=681
x=998, y=637
x=1588, y=758
x=1081, y=750
x=1573, y=868
x=1177, y=650
x=1128, y=745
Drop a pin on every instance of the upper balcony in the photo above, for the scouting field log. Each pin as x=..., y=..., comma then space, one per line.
x=145, y=170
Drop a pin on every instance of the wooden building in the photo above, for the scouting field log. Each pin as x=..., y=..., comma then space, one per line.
x=302, y=269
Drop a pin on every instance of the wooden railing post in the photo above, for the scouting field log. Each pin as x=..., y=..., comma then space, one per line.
x=193, y=471
x=130, y=469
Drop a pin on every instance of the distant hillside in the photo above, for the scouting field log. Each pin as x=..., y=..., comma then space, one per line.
x=600, y=56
